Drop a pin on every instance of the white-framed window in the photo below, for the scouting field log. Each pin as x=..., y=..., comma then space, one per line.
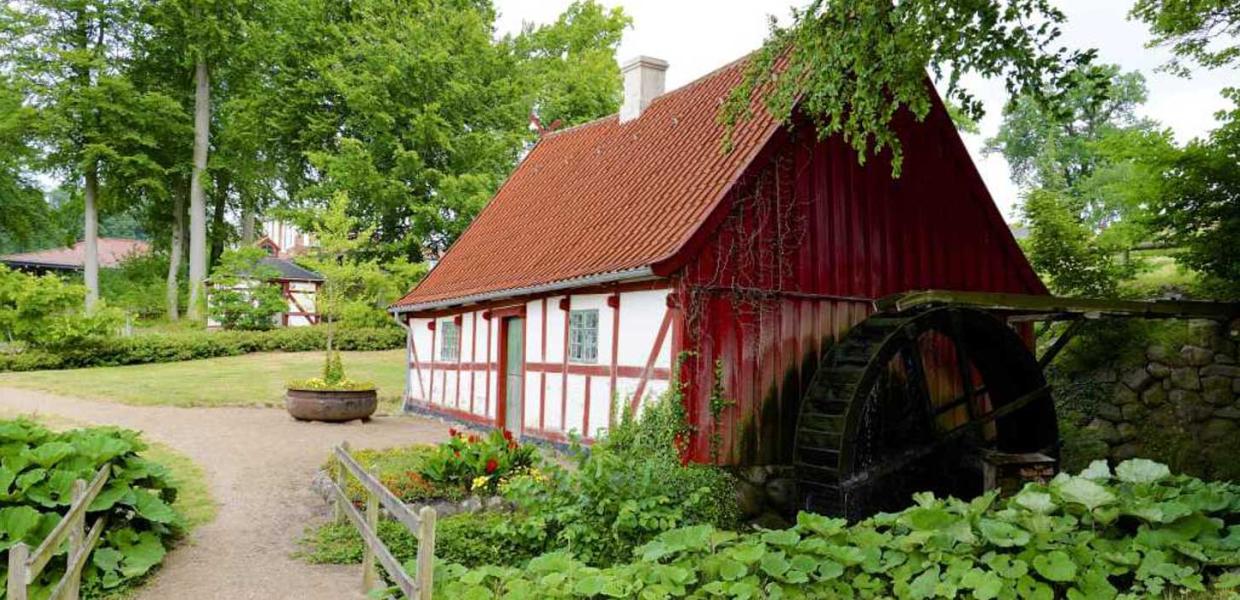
x=450, y=341
x=583, y=336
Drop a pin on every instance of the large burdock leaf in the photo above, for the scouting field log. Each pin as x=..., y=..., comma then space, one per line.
x=985, y=584
x=1083, y=491
x=1002, y=534
x=1055, y=565
x=15, y=523
x=46, y=455
x=151, y=508
x=1141, y=470
x=1097, y=471
x=1038, y=502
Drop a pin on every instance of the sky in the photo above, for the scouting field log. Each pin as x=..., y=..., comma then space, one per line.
x=698, y=36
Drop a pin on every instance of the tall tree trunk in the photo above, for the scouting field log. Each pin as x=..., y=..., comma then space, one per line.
x=174, y=254
x=197, y=195
x=248, y=219
x=91, y=229
x=223, y=184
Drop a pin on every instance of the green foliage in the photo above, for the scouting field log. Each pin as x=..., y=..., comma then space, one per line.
x=1201, y=209
x=193, y=345
x=37, y=470
x=478, y=463
x=1088, y=169
x=358, y=288
x=852, y=66
x=421, y=134
x=1199, y=30
x=244, y=294
x=629, y=488
x=400, y=470
x=1139, y=531
x=47, y=312
x=465, y=539
x=137, y=285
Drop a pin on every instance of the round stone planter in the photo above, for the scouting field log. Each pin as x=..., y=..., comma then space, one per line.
x=333, y=406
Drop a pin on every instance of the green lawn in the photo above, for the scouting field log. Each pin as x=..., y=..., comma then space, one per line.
x=249, y=380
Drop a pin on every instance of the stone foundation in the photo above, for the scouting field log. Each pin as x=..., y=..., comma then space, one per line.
x=1179, y=397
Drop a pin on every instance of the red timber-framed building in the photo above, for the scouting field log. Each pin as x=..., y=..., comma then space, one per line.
x=621, y=244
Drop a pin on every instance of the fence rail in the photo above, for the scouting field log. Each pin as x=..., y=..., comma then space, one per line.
x=421, y=525
x=26, y=566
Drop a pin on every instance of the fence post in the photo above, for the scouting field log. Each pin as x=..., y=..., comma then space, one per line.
x=17, y=571
x=338, y=474
x=369, y=575
x=77, y=535
x=426, y=553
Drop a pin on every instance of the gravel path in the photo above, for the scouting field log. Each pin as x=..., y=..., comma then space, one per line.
x=259, y=463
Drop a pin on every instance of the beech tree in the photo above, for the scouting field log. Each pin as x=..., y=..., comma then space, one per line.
x=91, y=122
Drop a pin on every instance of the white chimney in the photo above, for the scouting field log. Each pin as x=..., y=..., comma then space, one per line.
x=643, y=82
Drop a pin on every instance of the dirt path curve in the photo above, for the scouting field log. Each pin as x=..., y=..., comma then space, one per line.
x=259, y=463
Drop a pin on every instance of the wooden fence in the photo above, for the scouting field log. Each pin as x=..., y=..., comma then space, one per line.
x=421, y=525
x=26, y=566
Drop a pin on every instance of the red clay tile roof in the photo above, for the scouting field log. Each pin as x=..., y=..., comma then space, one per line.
x=111, y=252
x=602, y=197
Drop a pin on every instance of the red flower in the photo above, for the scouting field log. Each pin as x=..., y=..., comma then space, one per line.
x=456, y=453
x=492, y=464
x=473, y=439
x=512, y=445
x=508, y=435
x=452, y=431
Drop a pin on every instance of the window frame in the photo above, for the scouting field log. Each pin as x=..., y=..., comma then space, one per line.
x=444, y=355
x=578, y=346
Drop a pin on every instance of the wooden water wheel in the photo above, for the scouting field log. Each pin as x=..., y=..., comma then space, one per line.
x=908, y=401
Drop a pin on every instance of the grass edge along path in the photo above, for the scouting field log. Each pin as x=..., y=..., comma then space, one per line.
x=248, y=380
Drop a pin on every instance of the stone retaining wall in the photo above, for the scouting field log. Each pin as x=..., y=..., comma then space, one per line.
x=1185, y=397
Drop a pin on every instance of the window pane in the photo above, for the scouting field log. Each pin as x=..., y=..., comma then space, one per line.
x=583, y=336
x=449, y=348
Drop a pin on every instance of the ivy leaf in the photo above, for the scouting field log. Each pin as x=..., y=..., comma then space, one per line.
x=1141, y=470
x=1055, y=565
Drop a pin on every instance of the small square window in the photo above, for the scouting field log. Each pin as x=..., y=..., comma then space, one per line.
x=450, y=346
x=583, y=336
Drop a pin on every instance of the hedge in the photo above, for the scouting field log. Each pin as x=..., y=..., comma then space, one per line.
x=171, y=347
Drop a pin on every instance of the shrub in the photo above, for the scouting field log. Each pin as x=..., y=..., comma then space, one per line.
x=192, y=345
x=30, y=360
x=47, y=312
x=244, y=294
x=37, y=474
x=630, y=488
x=1138, y=531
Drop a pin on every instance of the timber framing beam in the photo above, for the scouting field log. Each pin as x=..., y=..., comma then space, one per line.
x=1026, y=307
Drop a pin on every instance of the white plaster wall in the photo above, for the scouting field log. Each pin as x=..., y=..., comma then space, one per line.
x=641, y=314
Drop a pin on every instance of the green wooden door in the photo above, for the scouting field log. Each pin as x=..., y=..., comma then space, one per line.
x=514, y=367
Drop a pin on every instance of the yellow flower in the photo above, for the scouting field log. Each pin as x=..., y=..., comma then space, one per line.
x=479, y=482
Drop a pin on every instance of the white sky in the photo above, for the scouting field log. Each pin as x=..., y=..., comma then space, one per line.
x=698, y=36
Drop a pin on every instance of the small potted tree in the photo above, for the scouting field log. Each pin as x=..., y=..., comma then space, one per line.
x=333, y=397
